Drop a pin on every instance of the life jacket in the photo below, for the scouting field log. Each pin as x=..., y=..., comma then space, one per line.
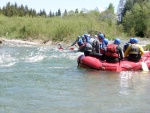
x=134, y=49
x=112, y=51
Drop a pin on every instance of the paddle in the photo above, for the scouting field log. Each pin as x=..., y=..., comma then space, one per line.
x=60, y=48
x=119, y=67
x=71, y=48
x=144, y=66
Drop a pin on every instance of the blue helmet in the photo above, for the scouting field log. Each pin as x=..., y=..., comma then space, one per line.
x=135, y=40
x=131, y=40
x=79, y=37
x=82, y=37
x=105, y=41
x=101, y=36
x=85, y=35
x=117, y=41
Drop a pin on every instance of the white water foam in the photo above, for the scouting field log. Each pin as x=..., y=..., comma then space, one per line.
x=58, y=67
x=8, y=65
x=6, y=60
x=36, y=58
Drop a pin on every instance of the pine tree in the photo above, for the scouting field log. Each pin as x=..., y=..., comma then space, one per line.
x=111, y=7
x=65, y=13
x=50, y=14
x=59, y=12
x=76, y=11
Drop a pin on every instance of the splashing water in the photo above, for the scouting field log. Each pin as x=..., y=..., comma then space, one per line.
x=43, y=79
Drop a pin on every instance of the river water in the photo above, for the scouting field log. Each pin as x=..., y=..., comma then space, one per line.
x=43, y=79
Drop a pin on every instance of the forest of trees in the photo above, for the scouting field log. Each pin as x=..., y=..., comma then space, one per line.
x=23, y=22
x=11, y=10
x=136, y=18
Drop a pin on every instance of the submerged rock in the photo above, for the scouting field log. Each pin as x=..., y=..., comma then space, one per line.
x=0, y=41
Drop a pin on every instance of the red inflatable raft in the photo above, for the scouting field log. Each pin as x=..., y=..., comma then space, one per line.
x=125, y=65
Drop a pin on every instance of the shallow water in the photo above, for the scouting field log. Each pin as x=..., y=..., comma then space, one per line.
x=43, y=79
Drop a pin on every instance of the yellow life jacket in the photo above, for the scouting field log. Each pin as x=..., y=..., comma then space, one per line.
x=134, y=49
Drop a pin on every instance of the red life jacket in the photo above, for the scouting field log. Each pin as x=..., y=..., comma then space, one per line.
x=112, y=51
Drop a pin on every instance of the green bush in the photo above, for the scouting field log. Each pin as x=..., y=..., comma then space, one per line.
x=147, y=47
x=65, y=28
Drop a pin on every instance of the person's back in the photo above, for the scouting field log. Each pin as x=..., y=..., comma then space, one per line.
x=87, y=38
x=88, y=51
x=98, y=44
x=114, y=52
x=103, y=46
x=134, y=51
x=91, y=40
x=95, y=46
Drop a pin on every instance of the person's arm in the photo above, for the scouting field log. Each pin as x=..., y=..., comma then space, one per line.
x=97, y=47
x=125, y=47
x=127, y=51
x=120, y=53
x=74, y=43
x=141, y=50
x=97, y=55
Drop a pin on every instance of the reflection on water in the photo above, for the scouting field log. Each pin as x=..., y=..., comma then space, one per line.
x=125, y=79
x=43, y=79
x=132, y=81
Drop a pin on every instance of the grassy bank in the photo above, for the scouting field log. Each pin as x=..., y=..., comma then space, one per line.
x=57, y=28
x=147, y=47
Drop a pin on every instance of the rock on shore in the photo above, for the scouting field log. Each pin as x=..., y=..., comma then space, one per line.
x=17, y=41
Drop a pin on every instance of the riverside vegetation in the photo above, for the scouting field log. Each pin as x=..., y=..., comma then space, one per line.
x=59, y=28
x=67, y=26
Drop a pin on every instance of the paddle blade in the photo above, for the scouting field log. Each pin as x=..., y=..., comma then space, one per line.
x=71, y=48
x=60, y=48
x=144, y=66
x=118, y=67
